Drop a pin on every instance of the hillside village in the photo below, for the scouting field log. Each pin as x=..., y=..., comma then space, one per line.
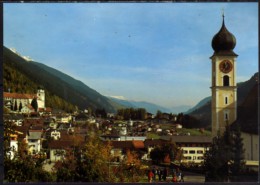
x=57, y=129
x=47, y=132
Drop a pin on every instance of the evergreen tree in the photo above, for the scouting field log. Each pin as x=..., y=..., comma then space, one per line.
x=15, y=106
x=34, y=104
x=228, y=143
x=12, y=106
x=238, y=164
x=225, y=157
x=213, y=161
x=20, y=106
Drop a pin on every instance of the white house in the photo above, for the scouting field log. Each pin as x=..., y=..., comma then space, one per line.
x=27, y=109
x=14, y=144
x=34, y=141
x=193, y=147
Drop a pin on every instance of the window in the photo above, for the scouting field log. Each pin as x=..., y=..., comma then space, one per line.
x=185, y=151
x=226, y=80
x=200, y=158
x=187, y=158
x=200, y=152
x=192, y=151
x=226, y=100
x=226, y=116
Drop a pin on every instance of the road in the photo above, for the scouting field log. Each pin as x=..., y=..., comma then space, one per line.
x=191, y=177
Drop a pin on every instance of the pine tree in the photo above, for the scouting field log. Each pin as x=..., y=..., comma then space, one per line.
x=214, y=161
x=20, y=106
x=238, y=164
x=225, y=156
x=15, y=106
x=34, y=104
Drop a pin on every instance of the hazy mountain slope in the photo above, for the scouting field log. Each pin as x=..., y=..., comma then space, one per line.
x=179, y=109
x=248, y=112
x=150, y=107
x=202, y=103
x=58, y=83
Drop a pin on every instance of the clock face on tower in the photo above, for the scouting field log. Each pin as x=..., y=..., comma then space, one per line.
x=225, y=66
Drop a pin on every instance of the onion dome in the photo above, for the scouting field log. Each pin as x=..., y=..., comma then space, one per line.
x=224, y=42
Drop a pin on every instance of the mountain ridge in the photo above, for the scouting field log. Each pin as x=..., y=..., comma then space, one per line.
x=150, y=107
x=59, y=83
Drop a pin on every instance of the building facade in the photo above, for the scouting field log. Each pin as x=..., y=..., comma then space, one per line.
x=17, y=99
x=193, y=147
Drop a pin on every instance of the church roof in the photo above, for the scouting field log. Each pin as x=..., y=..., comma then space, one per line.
x=19, y=96
x=224, y=42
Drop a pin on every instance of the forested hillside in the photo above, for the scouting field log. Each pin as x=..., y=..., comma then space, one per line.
x=23, y=76
x=16, y=81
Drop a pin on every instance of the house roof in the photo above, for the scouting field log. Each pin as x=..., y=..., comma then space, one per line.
x=34, y=123
x=34, y=134
x=127, y=144
x=188, y=139
x=13, y=116
x=58, y=144
x=28, y=106
x=154, y=142
x=22, y=129
x=138, y=144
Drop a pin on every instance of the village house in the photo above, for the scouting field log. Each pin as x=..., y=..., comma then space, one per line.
x=193, y=147
x=58, y=149
x=27, y=109
x=14, y=143
x=34, y=139
x=120, y=148
x=64, y=118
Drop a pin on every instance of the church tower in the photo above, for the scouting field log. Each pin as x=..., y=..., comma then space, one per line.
x=224, y=89
x=41, y=98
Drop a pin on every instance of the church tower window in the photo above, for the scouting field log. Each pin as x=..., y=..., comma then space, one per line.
x=226, y=116
x=226, y=100
x=226, y=80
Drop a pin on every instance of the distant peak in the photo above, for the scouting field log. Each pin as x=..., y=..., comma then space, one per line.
x=118, y=97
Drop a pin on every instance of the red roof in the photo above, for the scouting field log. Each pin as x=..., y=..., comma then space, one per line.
x=127, y=144
x=19, y=95
x=138, y=144
x=47, y=109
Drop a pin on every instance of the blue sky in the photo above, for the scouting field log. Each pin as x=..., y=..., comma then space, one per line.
x=155, y=52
